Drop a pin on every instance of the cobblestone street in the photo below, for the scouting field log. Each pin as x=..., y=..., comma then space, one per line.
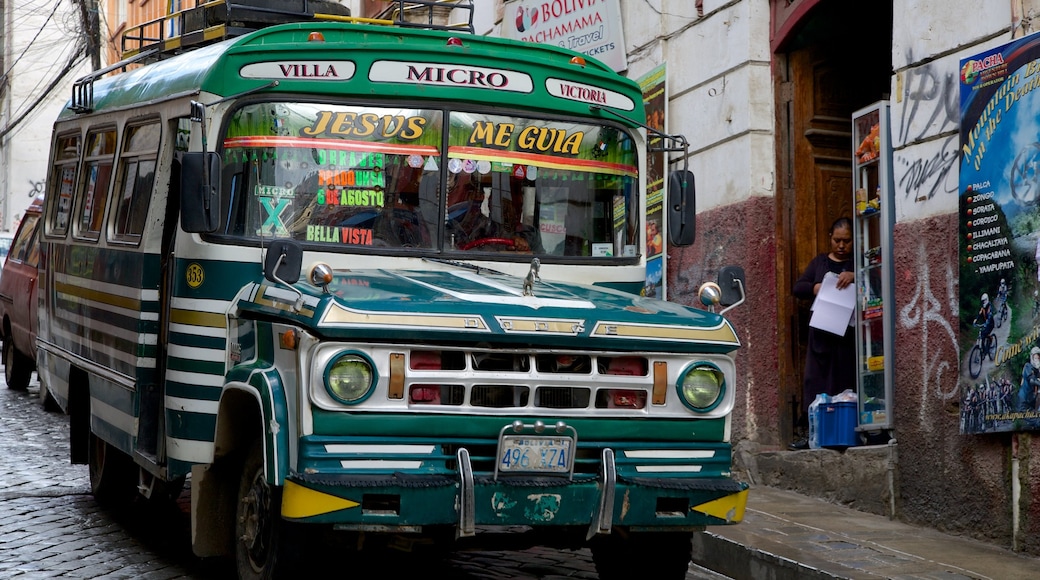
x=51, y=527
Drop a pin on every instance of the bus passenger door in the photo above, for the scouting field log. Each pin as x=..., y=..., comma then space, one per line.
x=150, y=442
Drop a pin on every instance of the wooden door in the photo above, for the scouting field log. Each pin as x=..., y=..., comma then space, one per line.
x=815, y=141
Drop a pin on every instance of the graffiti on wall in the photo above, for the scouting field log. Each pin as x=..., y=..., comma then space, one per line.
x=35, y=188
x=929, y=106
x=928, y=310
x=922, y=178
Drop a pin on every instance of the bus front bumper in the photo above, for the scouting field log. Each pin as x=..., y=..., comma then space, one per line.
x=408, y=501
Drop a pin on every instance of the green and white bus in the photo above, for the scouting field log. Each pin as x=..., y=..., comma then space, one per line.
x=380, y=284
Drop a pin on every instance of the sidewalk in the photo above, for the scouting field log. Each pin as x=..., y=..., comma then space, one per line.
x=786, y=535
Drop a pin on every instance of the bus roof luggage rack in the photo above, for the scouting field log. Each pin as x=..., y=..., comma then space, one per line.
x=208, y=21
x=430, y=14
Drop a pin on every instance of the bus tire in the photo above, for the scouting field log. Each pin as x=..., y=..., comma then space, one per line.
x=259, y=540
x=658, y=555
x=18, y=368
x=113, y=473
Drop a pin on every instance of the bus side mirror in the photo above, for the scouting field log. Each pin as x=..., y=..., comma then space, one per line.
x=731, y=283
x=728, y=292
x=284, y=261
x=199, y=204
x=682, y=208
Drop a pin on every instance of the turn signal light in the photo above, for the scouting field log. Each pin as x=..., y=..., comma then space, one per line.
x=578, y=61
x=316, y=37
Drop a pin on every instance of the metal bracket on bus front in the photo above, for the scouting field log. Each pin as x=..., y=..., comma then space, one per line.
x=467, y=501
x=603, y=518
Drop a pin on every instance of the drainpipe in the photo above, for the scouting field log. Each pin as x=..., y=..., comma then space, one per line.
x=890, y=471
x=1016, y=492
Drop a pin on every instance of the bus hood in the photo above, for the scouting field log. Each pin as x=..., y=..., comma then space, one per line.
x=491, y=308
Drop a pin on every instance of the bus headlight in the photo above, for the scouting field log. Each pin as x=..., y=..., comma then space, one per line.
x=701, y=387
x=350, y=378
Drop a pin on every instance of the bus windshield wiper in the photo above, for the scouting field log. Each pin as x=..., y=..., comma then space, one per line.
x=460, y=264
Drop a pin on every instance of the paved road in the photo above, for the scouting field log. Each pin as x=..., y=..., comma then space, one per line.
x=51, y=527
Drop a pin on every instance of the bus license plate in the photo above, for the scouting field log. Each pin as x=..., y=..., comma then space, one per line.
x=534, y=454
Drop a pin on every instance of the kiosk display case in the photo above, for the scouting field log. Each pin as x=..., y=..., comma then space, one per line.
x=872, y=252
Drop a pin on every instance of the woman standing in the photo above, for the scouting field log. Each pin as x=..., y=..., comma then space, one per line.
x=830, y=361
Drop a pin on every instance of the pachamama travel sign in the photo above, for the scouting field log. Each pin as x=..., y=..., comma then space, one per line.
x=999, y=215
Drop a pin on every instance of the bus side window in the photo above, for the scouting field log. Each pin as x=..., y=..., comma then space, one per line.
x=137, y=176
x=97, y=168
x=62, y=183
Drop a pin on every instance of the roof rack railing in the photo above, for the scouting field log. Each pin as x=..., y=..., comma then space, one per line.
x=207, y=21
x=83, y=87
x=202, y=22
x=431, y=14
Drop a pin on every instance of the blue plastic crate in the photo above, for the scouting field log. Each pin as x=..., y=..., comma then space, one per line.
x=837, y=425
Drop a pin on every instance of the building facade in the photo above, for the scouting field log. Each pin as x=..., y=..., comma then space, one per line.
x=42, y=51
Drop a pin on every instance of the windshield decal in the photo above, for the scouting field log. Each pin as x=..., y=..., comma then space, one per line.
x=331, y=144
x=546, y=161
x=275, y=207
x=352, y=124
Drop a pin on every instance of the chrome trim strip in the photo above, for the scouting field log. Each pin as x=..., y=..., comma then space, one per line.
x=117, y=378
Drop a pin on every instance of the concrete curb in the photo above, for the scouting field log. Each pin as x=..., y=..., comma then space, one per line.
x=731, y=558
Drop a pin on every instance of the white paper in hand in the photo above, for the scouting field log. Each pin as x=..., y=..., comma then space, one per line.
x=833, y=309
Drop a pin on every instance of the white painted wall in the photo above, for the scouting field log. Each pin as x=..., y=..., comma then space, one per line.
x=32, y=64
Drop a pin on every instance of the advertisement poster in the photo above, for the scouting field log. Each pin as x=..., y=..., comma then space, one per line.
x=591, y=27
x=999, y=216
x=655, y=100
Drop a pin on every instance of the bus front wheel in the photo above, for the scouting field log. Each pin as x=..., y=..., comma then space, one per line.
x=259, y=539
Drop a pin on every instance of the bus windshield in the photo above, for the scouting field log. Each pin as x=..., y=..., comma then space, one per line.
x=357, y=178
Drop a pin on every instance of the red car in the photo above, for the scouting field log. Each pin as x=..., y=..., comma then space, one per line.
x=18, y=301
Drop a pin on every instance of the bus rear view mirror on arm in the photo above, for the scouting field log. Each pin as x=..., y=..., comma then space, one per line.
x=283, y=262
x=199, y=203
x=682, y=208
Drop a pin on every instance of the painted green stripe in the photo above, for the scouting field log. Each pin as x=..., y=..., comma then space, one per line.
x=198, y=341
x=186, y=391
x=221, y=279
x=195, y=366
x=193, y=426
x=115, y=266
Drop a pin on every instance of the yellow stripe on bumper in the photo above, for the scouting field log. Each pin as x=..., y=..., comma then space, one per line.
x=729, y=508
x=302, y=502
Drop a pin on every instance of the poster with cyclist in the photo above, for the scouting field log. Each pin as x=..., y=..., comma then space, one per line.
x=999, y=218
